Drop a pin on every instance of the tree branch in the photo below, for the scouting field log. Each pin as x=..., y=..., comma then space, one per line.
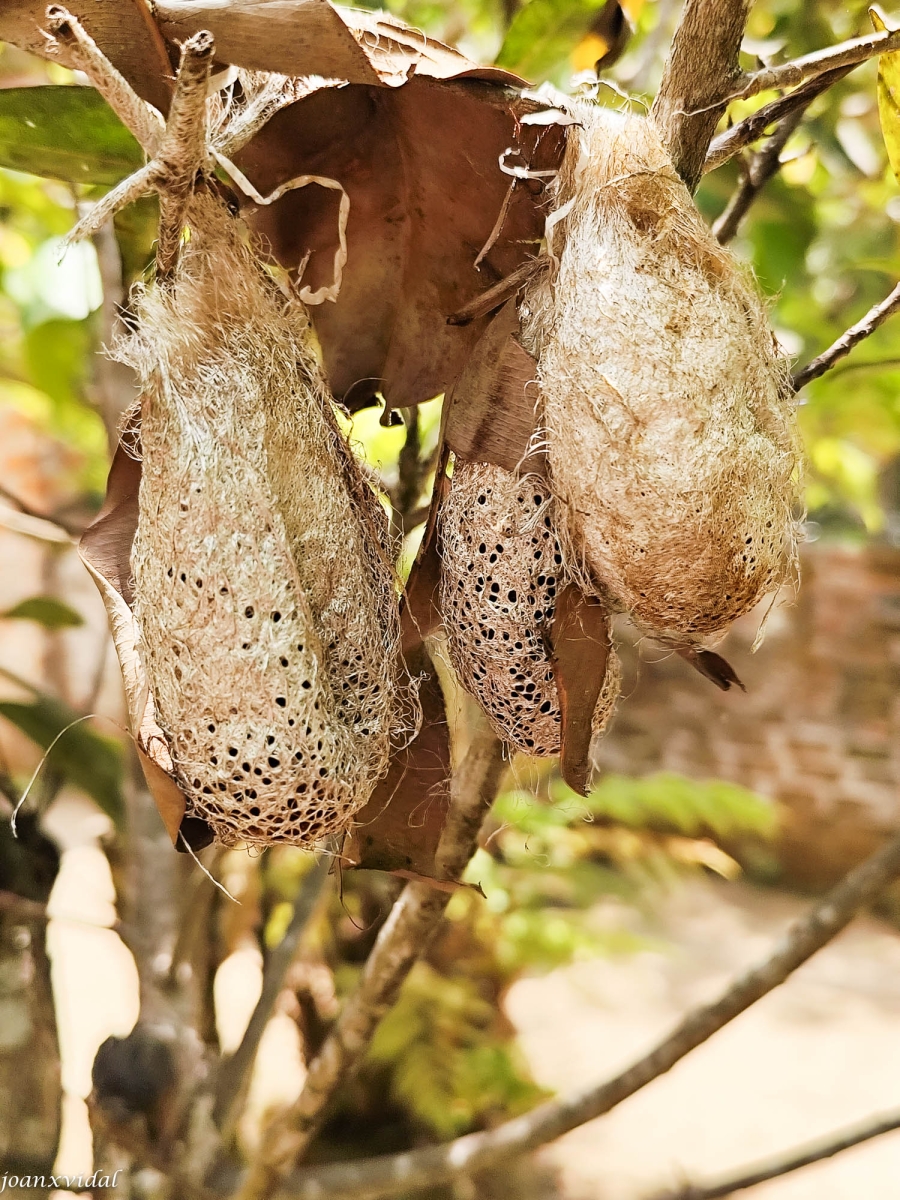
x=233, y=1073
x=405, y=935
x=757, y=173
x=83, y=53
x=371, y=1178
x=876, y=316
x=727, y=144
x=699, y=79
x=847, y=55
x=802, y=1156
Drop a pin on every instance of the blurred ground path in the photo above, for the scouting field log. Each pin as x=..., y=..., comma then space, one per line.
x=820, y=1052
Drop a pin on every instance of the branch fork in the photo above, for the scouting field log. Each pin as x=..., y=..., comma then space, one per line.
x=177, y=147
x=183, y=149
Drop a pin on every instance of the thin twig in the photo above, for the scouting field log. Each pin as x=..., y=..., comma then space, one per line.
x=136, y=114
x=802, y=1156
x=234, y=1072
x=847, y=54
x=183, y=147
x=142, y=182
x=371, y=1178
x=727, y=144
x=876, y=316
x=403, y=938
x=757, y=173
x=492, y=299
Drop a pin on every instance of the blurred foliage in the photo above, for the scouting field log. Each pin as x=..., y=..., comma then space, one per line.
x=556, y=882
x=46, y=611
x=67, y=133
x=446, y=1065
x=80, y=755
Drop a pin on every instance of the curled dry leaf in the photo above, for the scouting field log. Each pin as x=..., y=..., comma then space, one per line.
x=313, y=37
x=586, y=672
x=105, y=549
x=125, y=32
x=405, y=156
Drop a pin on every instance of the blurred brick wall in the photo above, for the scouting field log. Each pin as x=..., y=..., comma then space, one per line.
x=818, y=728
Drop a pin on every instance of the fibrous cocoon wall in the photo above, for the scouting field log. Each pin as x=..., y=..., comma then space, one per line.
x=669, y=417
x=502, y=570
x=262, y=580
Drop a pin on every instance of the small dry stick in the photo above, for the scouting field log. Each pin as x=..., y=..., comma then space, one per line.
x=234, y=1072
x=727, y=144
x=757, y=173
x=372, y=1178
x=846, y=54
x=801, y=1156
x=141, y=118
x=405, y=935
x=492, y=299
x=876, y=316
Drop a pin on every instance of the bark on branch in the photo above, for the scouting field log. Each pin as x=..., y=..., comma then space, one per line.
x=727, y=144
x=847, y=54
x=876, y=316
x=700, y=77
x=411, y=924
x=377, y=1177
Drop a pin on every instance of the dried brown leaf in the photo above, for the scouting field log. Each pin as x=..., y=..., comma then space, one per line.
x=712, y=666
x=105, y=549
x=406, y=157
x=491, y=406
x=290, y=37
x=400, y=827
x=581, y=647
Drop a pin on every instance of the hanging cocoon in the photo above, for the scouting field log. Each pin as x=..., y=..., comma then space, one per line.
x=502, y=570
x=668, y=411
x=263, y=588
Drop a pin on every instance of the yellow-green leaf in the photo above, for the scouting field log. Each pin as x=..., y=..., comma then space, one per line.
x=888, y=95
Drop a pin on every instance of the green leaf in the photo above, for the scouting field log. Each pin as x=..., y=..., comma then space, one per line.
x=136, y=227
x=56, y=354
x=687, y=805
x=46, y=610
x=88, y=760
x=888, y=96
x=67, y=133
x=544, y=33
